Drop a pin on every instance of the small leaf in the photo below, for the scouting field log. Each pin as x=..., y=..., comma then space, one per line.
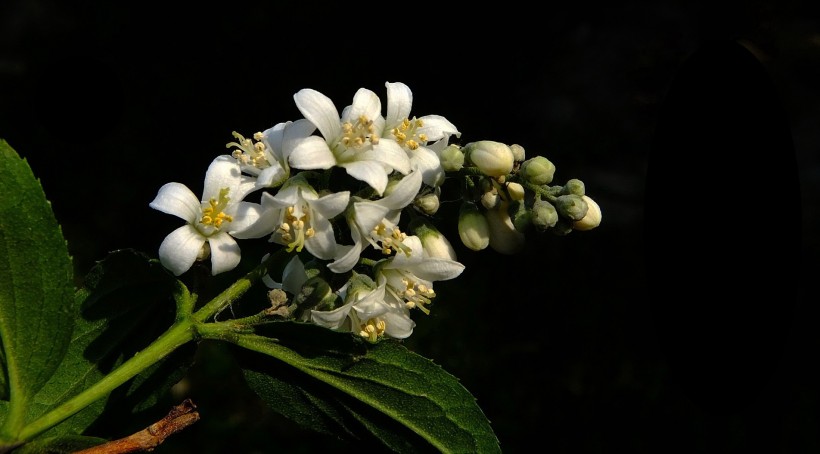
x=124, y=304
x=36, y=294
x=367, y=393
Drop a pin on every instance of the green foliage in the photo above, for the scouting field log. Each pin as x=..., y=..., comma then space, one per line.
x=382, y=393
x=66, y=444
x=36, y=295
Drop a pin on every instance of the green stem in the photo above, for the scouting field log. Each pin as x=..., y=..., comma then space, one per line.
x=232, y=293
x=177, y=335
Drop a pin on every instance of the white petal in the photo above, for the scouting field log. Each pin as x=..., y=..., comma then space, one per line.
x=323, y=243
x=399, y=103
x=365, y=103
x=346, y=258
x=404, y=192
x=368, y=215
x=271, y=176
x=179, y=249
x=272, y=137
x=397, y=325
x=436, y=127
x=332, y=204
x=223, y=172
x=311, y=153
x=331, y=319
x=320, y=111
x=294, y=276
x=389, y=153
x=427, y=162
x=178, y=200
x=294, y=132
x=246, y=215
x=265, y=224
x=370, y=172
x=435, y=269
x=225, y=254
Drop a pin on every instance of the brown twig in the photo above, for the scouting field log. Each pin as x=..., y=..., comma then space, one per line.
x=180, y=417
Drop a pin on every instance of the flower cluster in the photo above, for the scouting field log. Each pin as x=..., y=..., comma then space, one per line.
x=375, y=231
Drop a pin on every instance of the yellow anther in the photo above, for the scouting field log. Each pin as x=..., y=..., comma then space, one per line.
x=213, y=215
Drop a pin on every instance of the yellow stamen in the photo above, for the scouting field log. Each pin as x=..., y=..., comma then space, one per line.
x=213, y=215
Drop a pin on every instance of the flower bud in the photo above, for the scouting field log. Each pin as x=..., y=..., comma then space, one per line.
x=593, y=217
x=494, y=159
x=518, y=152
x=572, y=206
x=452, y=158
x=434, y=243
x=504, y=238
x=317, y=294
x=473, y=228
x=538, y=170
x=521, y=216
x=490, y=199
x=573, y=186
x=516, y=191
x=544, y=215
x=427, y=203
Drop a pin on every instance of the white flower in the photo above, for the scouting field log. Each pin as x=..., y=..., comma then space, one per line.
x=408, y=279
x=211, y=223
x=375, y=222
x=414, y=134
x=350, y=141
x=267, y=157
x=298, y=218
x=366, y=312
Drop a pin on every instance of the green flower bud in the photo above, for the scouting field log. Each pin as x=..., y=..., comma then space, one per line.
x=544, y=215
x=516, y=191
x=452, y=158
x=593, y=217
x=518, y=152
x=504, y=238
x=538, y=170
x=473, y=228
x=434, y=243
x=427, y=203
x=562, y=227
x=494, y=159
x=573, y=186
x=521, y=216
x=572, y=206
x=317, y=294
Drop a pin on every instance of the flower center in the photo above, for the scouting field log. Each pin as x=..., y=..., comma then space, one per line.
x=213, y=214
x=416, y=294
x=248, y=152
x=357, y=135
x=373, y=329
x=406, y=133
x=295, y=228
x=391, y=239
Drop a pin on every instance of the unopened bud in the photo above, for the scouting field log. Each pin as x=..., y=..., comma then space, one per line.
x=434, y=243
x=544, y=215
x=504, y=238
x=473, y=228
x=518, y=152
x=516, y=191
x=573, y=186
x=427, y=203
x=452, y=158
x=494, y=159
x=490, y=199
x=572, y=206
x=593, y=217
x=538, y=170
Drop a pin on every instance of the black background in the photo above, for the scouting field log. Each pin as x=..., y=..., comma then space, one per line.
x=685, y=322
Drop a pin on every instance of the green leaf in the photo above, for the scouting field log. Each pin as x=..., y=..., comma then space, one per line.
x=36, y=295
x=60, y=445
x=383, y=393
x=125, y=303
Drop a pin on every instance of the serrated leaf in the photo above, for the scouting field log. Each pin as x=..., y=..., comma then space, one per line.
x=368, y=393
x=36, y=295
x=124, y=304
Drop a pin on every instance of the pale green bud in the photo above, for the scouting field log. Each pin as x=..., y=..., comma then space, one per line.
x=473, y=228
x=452, y=158
x=490, y=199
x=573, y=186
x=518, y=152
x=427, y=203
x=572, y=206
x=521, y=216
x=538, y=170
x=593, y=217
x=494, y=159
x=516, y=191
x=317, y=294
x=434, y=243
x=504, y=238
x=544, y=215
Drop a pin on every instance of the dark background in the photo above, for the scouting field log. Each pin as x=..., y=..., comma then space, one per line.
x=685, y=322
